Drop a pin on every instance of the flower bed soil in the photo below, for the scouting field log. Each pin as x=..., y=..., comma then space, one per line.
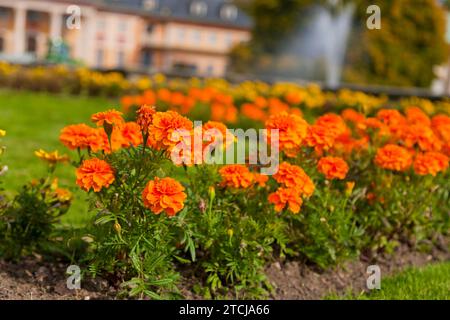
x=33, y=278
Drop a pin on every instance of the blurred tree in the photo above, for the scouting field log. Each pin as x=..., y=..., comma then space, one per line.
x=411, y=40
x=403, y=52
x=273, y=20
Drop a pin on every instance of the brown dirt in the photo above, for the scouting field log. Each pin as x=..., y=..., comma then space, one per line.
x=33, y=278
x=293, y=280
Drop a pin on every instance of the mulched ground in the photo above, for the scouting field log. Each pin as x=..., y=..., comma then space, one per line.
x=34, y=278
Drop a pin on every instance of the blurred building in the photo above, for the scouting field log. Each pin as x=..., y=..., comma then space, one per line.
x=192, y=36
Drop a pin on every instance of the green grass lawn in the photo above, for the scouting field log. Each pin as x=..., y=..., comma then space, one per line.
x=428, y=283
x=32, y=121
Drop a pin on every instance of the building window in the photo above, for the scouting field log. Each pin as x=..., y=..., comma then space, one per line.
x=34, y=16
x=184, y=68
x=149, y=5
x=146, y=58
x=4, y=14
x=31, y=44
x=229, y=12
x=150, y=27
x=198, y=8
x=120, y=59
x=100, y=55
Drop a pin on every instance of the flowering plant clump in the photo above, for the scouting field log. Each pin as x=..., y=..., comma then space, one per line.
x=28, y=222
x=352, y=173
x=343, y=183
x=124, y=173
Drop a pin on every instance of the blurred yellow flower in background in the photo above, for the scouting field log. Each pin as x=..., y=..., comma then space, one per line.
x=51, y=157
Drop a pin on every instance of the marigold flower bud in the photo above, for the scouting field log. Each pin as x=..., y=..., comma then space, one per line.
x=117, y=227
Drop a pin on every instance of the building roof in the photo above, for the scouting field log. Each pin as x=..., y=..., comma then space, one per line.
x=184, y=10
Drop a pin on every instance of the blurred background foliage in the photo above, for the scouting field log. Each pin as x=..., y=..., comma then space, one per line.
x=403, y=52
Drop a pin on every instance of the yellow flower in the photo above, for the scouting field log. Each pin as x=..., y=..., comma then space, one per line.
x=212, y=192
x=2, y=133
x=349, y=188
x=63, y=195
x=117, y=227
x=51, y=157
x=54, y=184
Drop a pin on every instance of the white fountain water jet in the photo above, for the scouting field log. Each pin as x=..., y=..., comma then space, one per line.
x=329, y=32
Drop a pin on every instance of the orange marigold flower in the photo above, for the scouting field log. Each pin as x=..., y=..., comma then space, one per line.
x=333, y=167
x=260, y=179
x=218, y=111
x=292, y=131
x=164, y=94
x=164, y=194
x=393, y=157
x=441, y=125
x=374, y=123
x=293, y=97
x=421, y=135
x=98, y=141
x=94, y=173
x=231, y=113
x=149, y=97
x=145, y=116
x=430, y=163
x=77, y=136
x=253, y=112
x=352, y=115
x=393, y=119
x=334, y=124
x=320, y=138
x=276, y=106
x=227, y=137
x=293, y=176
x=164, y=126
x=346, y=144
x=223, y=98
x=126, y=135
x=415, y=115
x=126, y=102
x=110, y=117
x=260, y=102
x=236, y=176
x=286, y=196
x=446, y=148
